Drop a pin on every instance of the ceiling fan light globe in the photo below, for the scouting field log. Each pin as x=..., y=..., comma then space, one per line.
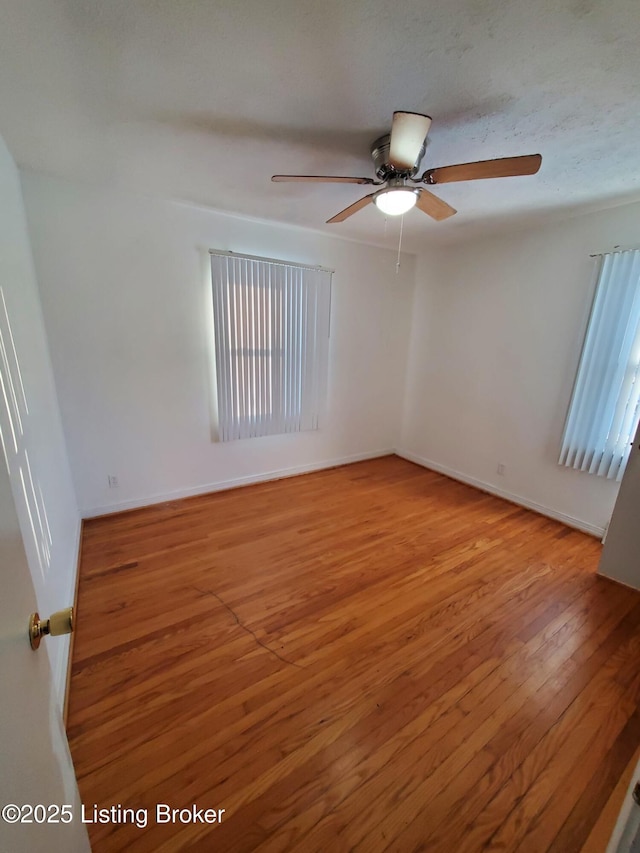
x=395, y=202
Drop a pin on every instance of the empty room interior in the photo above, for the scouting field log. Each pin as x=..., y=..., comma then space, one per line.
x=320, y=382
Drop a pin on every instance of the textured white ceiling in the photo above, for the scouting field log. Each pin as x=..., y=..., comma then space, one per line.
x=205, y=99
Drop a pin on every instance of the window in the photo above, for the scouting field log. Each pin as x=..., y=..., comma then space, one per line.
x=605, y=406
x=271, y=326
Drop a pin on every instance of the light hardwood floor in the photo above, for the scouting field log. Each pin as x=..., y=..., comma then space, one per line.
x=368, y=658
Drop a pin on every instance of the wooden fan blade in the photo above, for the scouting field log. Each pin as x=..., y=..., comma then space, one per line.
x=505, y=167
x=353, y=208
x=322, y=179
x=434, y=206
x=408, y=132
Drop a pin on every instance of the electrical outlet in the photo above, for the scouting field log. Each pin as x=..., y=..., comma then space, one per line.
x=113, y=481
x=501, y=469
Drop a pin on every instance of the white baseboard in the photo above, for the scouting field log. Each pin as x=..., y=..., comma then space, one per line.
x=279, y=474
x=569, y=520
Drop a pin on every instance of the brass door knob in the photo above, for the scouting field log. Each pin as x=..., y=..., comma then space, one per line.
x=58, y=623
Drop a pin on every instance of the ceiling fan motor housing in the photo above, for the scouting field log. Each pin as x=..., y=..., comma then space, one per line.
x=380, y=155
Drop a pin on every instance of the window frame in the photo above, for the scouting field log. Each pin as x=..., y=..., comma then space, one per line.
x=605, y=403
x=267, y=309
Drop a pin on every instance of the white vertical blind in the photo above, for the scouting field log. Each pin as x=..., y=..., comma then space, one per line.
x=271, y=326
x=605, y=406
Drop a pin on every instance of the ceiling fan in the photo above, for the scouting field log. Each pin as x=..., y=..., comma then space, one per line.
x=397, y=157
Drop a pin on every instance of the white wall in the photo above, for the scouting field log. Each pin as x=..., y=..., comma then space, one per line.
x=498, y=326
x=496, y=330
x=126, y=296
x=48, y=513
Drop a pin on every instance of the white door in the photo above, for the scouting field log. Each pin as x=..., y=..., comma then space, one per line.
x=36, y=774
x=621, y=553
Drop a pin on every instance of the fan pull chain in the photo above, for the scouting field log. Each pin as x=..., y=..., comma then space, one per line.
x=399, y=244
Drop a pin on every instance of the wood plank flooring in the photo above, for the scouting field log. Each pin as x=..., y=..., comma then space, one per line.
x=368, y=658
